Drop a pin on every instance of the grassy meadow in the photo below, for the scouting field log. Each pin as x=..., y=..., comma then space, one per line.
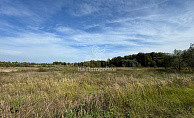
x=59, y=92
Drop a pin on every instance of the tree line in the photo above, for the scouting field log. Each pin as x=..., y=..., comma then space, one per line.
x=22, y=64
x=178, y=59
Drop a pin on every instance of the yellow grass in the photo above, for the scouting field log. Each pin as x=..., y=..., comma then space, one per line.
x=65, y=92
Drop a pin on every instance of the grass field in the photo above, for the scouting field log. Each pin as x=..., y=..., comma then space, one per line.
x=65, y=92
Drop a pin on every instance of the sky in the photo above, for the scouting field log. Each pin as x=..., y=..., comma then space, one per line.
x=81, y=30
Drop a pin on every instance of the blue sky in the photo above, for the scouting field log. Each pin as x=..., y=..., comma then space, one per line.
x=81, y=30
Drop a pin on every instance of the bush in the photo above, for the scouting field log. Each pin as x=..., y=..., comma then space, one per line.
x=41, y=69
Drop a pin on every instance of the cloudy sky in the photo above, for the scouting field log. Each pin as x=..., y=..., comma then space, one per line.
x=81, y=30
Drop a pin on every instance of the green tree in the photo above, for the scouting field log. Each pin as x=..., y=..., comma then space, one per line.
x=178, y=61
x=188, y=56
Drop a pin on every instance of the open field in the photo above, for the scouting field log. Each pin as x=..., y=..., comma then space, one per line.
x=65, y=92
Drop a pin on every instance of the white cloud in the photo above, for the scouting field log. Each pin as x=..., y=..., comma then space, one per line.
x=86, y=9
x=65, y=29
x=28, y=38
x=82, y=9
x=39, y=47
x=10, y=52
x=31, y=12
x=14, y=9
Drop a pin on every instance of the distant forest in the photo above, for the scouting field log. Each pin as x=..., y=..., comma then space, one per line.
x=178, y=59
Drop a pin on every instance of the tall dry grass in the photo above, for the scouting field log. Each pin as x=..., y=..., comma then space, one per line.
x=65, y=92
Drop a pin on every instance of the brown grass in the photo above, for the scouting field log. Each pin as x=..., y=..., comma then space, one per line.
x=65, y=92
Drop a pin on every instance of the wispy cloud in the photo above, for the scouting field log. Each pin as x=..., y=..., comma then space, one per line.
x=83, y=9
x=8, y=8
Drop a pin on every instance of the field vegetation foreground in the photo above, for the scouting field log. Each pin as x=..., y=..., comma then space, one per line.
x=57, y=92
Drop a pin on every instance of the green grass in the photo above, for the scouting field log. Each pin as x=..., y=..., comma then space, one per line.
x=66, y=92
